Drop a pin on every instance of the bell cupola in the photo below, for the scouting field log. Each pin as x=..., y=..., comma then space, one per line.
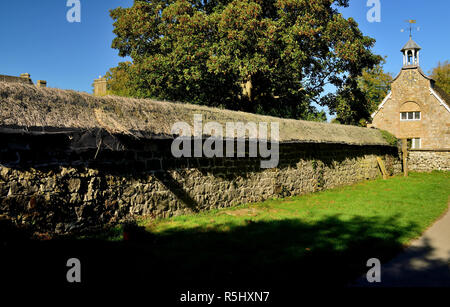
x=411, y=53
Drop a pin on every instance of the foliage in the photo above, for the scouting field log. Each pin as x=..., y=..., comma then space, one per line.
x=268, y=57
x=119, y=79
x=441, y=74
x=390, y=138
x=375, y=84
x=335, y=121
x=362, y=97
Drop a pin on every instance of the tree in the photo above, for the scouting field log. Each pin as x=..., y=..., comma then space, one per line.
x=119, y=79
x=263, y=56
x=359, y=99
x=441, y=74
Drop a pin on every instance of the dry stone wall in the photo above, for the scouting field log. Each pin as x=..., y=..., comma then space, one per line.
x=429, y=160
x=50, y=186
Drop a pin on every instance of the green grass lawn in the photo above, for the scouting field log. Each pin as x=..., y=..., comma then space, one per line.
x=414, y=203
x=322, y=237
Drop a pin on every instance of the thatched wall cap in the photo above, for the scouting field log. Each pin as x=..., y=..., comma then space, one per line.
x=28, y=106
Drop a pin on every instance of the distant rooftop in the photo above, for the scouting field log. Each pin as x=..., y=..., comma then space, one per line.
x=23, y=79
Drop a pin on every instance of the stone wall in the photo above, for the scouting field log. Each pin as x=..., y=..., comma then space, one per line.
x=48, y=185
x=428, y=160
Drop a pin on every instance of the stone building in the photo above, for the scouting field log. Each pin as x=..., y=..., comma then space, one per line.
x=415, y=109
x=23, y=79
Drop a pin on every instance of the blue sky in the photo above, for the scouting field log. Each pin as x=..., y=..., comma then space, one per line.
x=36, y=37
x=433, y=37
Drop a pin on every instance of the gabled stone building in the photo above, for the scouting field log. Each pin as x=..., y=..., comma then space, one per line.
x=415, y=109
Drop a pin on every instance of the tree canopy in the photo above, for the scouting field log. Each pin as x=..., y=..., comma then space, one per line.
x=356, y=102
x=441, y=75
x=262, y=56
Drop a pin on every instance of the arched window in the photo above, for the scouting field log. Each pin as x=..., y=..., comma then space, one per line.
x=410, y=57
x=410, y=111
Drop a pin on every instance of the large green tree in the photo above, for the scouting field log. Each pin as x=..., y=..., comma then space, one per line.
x=264, y=56
x=441, y=74
x=361, y=97
x=119, y=78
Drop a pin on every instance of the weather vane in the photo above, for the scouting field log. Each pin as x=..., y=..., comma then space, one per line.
x=411, y=22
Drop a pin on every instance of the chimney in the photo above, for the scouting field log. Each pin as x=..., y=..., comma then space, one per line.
x=100, y=86
x=41, y=83
x=26, y=78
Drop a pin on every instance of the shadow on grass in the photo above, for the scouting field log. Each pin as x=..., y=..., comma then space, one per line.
x=330, y=252
x=417, y=266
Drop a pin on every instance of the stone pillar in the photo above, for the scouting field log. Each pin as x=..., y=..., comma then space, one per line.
x=41, y=83
x=100, y=86
x=405, y=156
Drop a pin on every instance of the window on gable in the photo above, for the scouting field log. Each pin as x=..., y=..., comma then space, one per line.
x=410, y=116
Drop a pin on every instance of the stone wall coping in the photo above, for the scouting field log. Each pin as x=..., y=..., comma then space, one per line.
x=437, y=149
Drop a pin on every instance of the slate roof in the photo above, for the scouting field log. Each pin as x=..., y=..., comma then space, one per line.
x=411, y=45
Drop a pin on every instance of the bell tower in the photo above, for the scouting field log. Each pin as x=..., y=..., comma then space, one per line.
x=411, y=51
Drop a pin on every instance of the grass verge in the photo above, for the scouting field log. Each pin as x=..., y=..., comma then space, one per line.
x=326, y=236
x=321, y=239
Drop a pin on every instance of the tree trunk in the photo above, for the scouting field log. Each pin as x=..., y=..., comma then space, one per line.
x=247, y=88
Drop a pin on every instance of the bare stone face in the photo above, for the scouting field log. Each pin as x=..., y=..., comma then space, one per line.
x=70, y=195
